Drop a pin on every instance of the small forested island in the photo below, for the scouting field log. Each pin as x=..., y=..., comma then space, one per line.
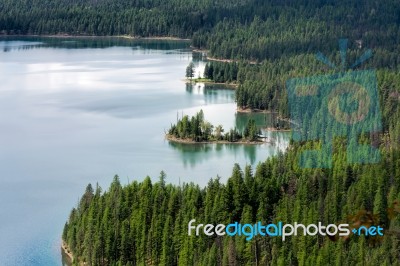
x=196, y=129
x=257, y=45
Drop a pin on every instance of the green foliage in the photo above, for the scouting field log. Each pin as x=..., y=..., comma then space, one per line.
x=250, y=29
x=190, y=70
x=145, y=223
x=269, y=42
x=277, y=29
x=263, y=86
x=251, y=132
x=198, y=129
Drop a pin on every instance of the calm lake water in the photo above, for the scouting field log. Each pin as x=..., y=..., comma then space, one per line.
x=79, y=111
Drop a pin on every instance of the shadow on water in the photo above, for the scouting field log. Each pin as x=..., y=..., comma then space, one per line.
x=213, y=93
x=193, y=154
x=220, y=93
x=198, y=57
x=262, y=120
x=8, y=43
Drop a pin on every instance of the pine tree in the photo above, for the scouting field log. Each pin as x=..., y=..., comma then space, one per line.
x=190, y=71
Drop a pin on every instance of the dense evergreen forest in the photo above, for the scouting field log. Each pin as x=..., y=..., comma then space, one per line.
x=268, y=42
x=262, y=86
x=239, y=29
x=281, y=35
x=146, y=223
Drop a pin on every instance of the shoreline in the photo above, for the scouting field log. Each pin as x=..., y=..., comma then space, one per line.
x=197, y=50
x=129, y=37
x=69, y=36
x=64, y=246
x=251, y=62
x=249, y=110
x=196, y=81
x=66, y=250
x=158, y=38
x=224, y=60
x=192, y=142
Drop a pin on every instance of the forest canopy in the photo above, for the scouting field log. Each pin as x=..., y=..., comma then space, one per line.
x=146, y=223
x=268, y=42
x=250, y=29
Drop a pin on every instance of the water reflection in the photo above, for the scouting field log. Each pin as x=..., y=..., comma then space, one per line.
x=193, y=154
x=262, y=120
x=199, y=153
x=199, y=57
x=70, y=117
x=213, y=93
x=9, y=43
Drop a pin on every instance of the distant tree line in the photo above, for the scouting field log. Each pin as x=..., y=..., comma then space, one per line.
x=286, y=29
x=236, y=29
x=281, y=37
x=145, y=223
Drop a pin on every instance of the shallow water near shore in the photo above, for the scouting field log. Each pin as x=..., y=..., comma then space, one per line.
x=79, y=111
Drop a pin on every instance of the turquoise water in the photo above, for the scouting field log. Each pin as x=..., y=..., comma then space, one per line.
x=79, y=111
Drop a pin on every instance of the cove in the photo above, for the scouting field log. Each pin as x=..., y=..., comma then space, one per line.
x=79, y=111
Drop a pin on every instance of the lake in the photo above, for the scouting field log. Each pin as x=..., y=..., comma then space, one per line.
x=79, y=111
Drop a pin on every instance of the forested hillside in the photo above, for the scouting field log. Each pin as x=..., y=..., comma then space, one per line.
x=106, y=17
x=241, y=29
x=145, y=223
x=263, y=86
x=282, y=35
